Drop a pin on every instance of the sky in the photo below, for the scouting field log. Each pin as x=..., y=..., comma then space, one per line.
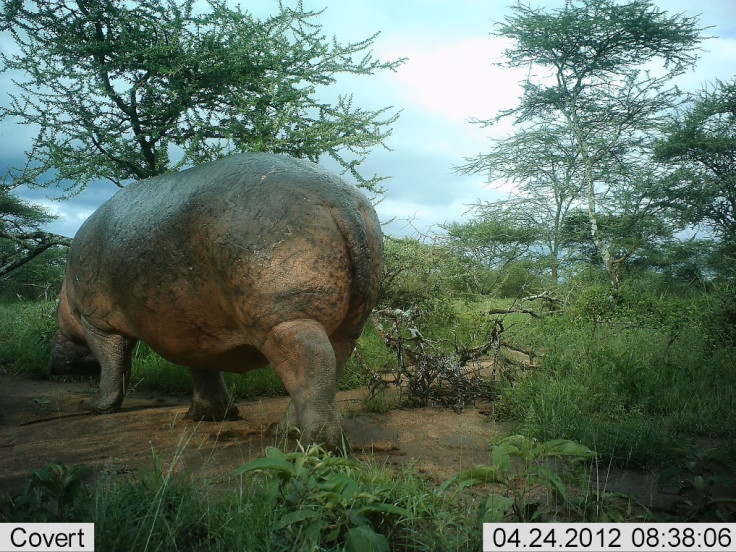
x=449, y=77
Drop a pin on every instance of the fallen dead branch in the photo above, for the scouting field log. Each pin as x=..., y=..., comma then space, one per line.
x=428, y=374
x=549, y=302
x=513, y=310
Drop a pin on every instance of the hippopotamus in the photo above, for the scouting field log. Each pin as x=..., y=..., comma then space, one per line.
x=232, y=265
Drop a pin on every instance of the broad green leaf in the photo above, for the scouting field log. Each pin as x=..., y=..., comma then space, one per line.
x=330, y=500
x=478, y=475
x=340, y=483
x=501, y=457
x=516, y=445
x=448, y=483
x=365, y=539
x=383, y=508
x=550, y=479
x=564, y=447
x=273, y=452
x=495, y=507
x=295, y=517
x=278, y=465
x=699, y=483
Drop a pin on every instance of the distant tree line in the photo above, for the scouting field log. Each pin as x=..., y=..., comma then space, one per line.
x=611, y=164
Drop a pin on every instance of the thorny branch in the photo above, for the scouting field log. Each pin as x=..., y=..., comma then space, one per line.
x=426, y=373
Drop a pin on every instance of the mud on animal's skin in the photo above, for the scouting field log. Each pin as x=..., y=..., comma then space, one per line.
x=236, y=256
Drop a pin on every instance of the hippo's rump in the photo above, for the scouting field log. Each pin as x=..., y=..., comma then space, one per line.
x=208, y=259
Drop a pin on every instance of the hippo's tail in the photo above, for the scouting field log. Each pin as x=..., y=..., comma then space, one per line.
x=361, y=231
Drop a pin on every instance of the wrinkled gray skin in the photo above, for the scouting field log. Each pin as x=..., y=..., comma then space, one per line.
x=229, y=266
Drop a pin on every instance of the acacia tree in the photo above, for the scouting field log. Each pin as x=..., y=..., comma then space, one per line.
x=543, y=164
x=127, y=90
x=639, y=239
x=599, y=71
x=21, y=236
x=700, y=143
x=495, y=239
x=491, y=246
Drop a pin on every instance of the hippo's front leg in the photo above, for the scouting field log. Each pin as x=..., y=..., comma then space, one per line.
x=113, y=351
x=211, y=400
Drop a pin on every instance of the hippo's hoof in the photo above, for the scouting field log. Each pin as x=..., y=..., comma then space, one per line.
x=95, y=406
x=283, y=429
x=206, y=413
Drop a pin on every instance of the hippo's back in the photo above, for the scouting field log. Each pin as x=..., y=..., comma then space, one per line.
x=222, y=252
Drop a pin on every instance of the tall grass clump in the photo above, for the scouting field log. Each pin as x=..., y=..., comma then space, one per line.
x=629, y=383
x=26, y=329
x=370, y=355
x=159, y=510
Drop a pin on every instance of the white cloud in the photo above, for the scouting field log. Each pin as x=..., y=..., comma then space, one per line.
x=411, y=216
x=71, y=213
x=718, y=61
x=70, y=216
x=456, y=80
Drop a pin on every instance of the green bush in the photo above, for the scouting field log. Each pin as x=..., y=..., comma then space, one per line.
x=417, y=275
x=26, y=329
x=317, y=499
x=517, y=280
x=521, y=466
x=37, y=280
x=54, y=493
x=719, y=316
x=625, y=391
x=305, y=500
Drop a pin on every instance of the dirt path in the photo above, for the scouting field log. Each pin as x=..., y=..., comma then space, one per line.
x=40, y=422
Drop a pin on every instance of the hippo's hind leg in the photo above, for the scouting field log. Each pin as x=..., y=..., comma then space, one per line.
x=113, y=351
x=302, y=356
x=211, y=400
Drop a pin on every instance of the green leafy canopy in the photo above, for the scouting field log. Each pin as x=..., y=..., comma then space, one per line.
x=127, y=90
x=597, y=90
x=699, y=143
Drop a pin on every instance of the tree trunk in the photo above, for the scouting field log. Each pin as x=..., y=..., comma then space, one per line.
x=611, y=266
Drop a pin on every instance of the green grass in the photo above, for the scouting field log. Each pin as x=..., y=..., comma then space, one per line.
x=649, y=374
x=26, y=329
x=154, y=373
x=151, y=372
x=25, y=332
x=632, y=394
x=312, y=500
x=628, y=389
x=315, y=507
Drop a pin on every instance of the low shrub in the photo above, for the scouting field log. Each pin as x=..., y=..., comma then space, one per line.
x=628, y=392
x=26, y=329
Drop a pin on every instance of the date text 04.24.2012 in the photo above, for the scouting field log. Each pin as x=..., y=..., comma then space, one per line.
x=605, y=537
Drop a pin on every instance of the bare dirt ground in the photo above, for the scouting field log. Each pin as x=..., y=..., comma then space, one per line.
x=40, y=423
